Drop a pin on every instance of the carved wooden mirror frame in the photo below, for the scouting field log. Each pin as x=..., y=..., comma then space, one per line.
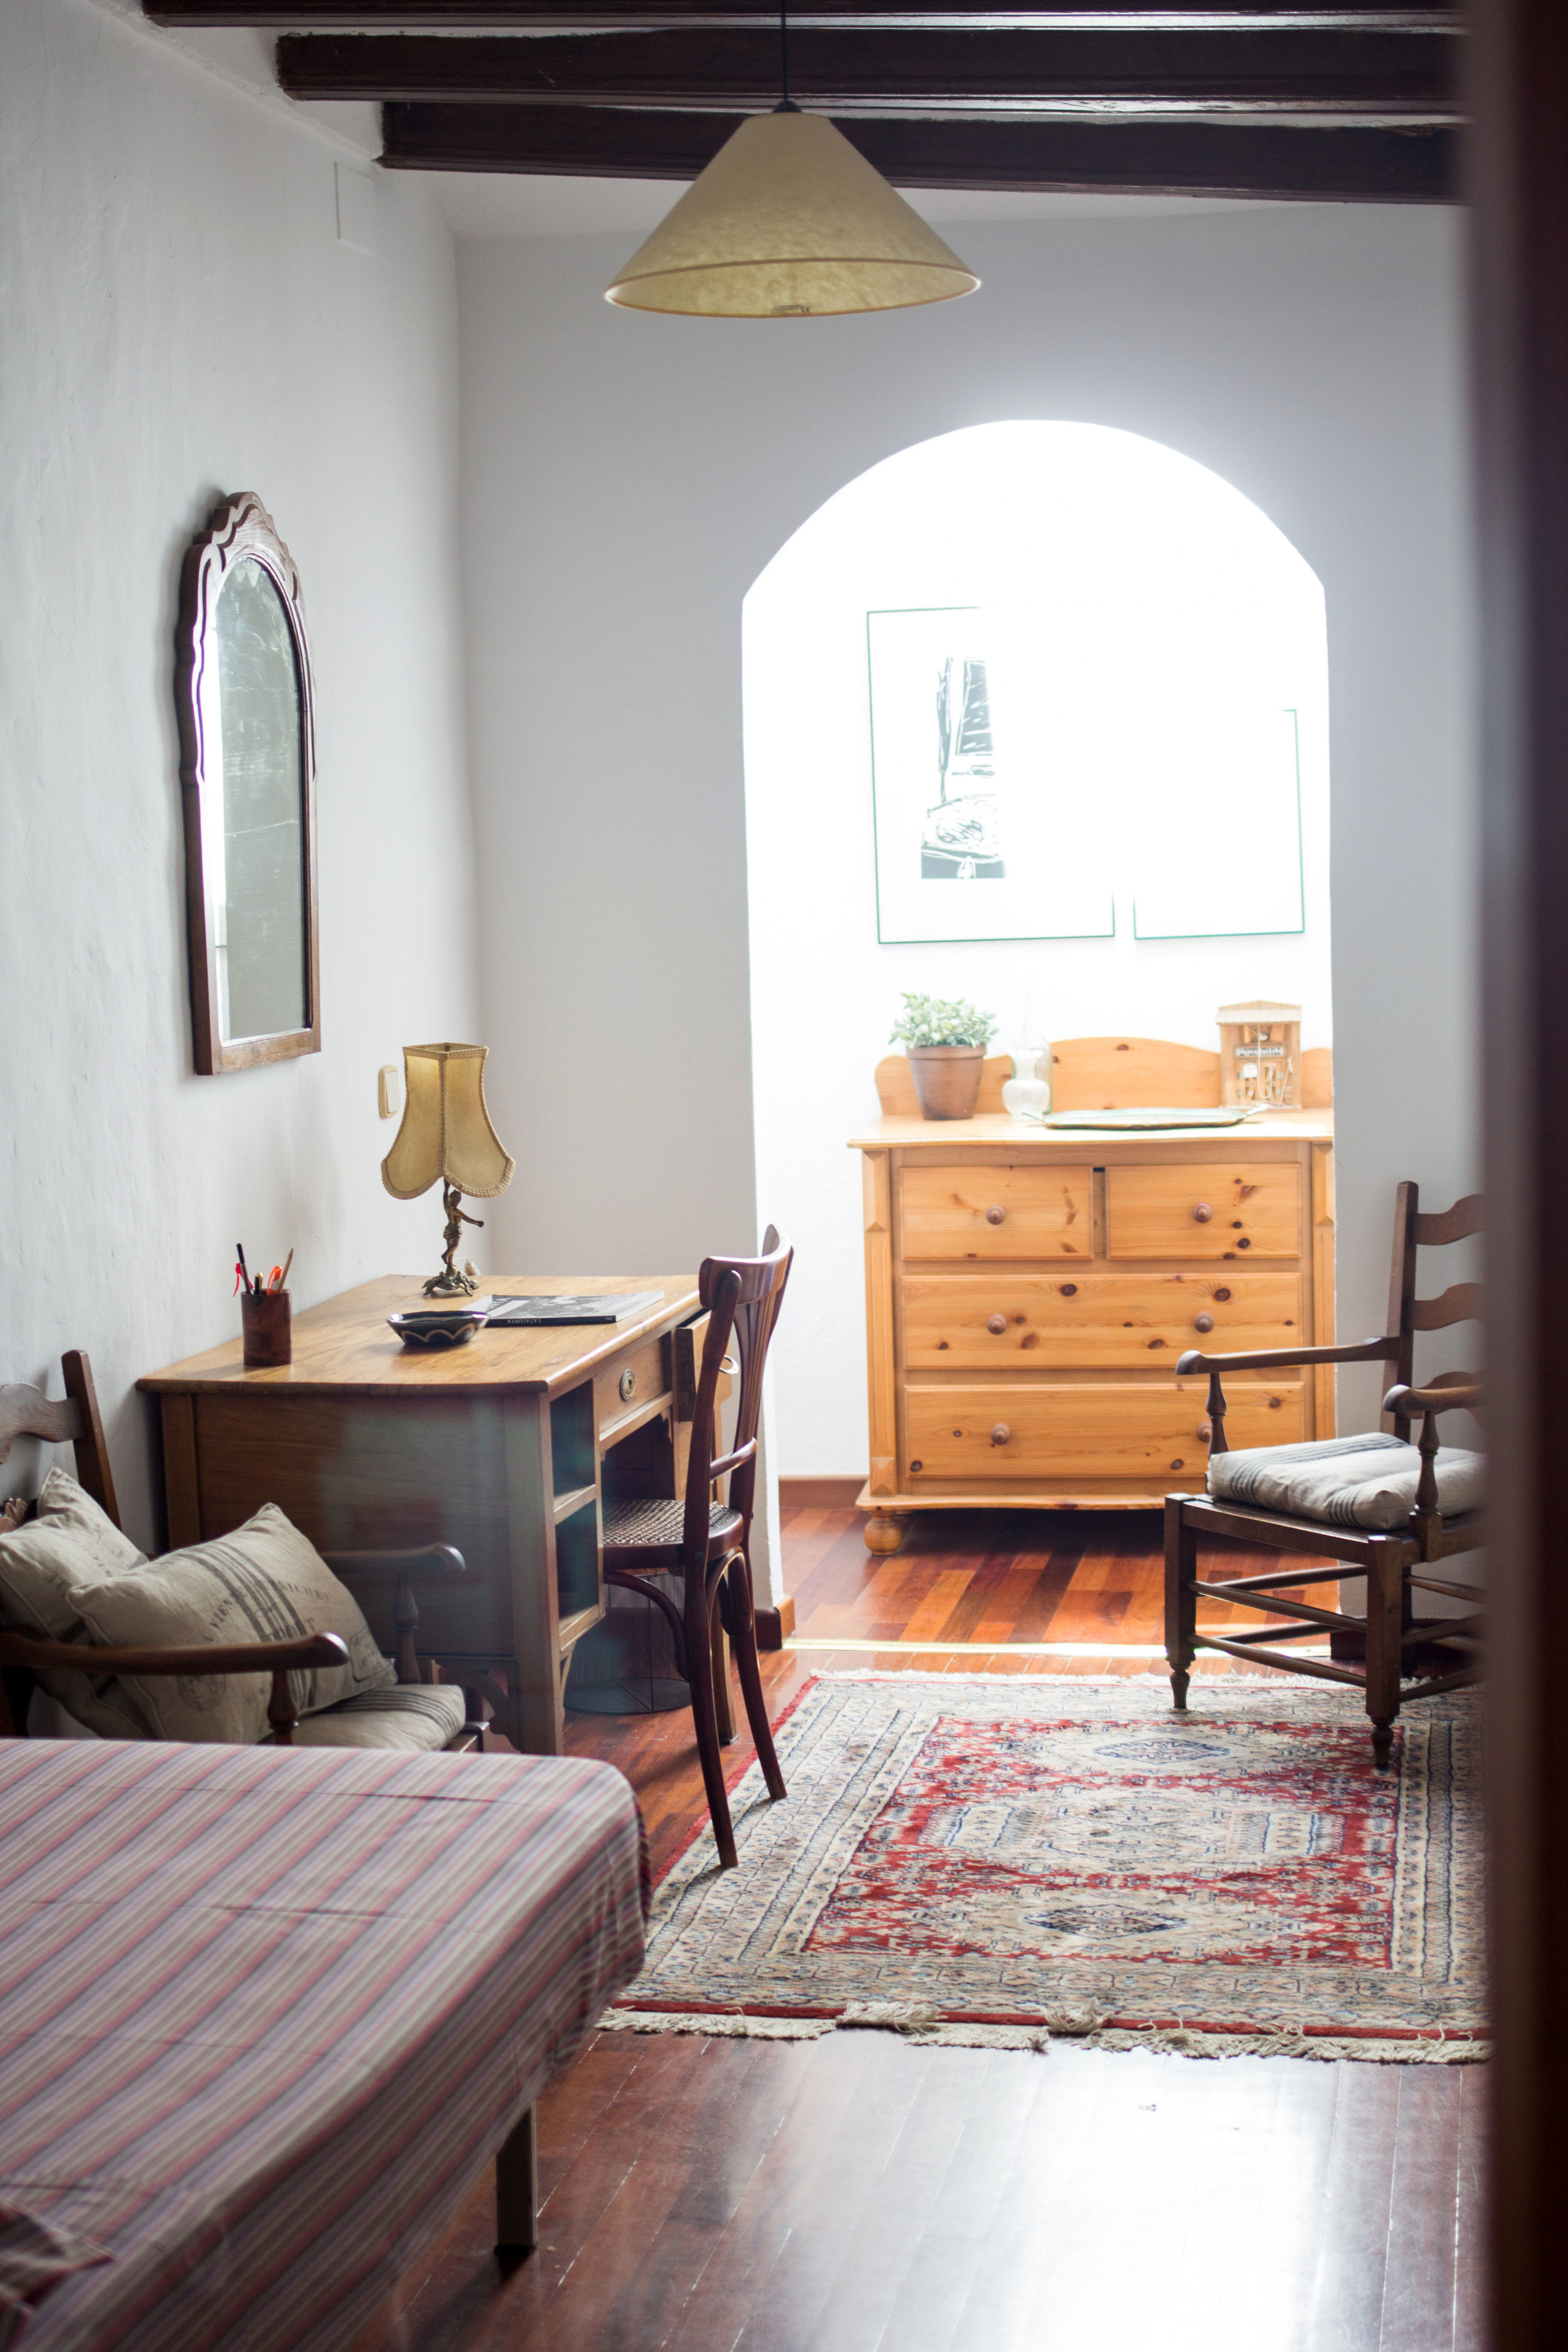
x=238, y=531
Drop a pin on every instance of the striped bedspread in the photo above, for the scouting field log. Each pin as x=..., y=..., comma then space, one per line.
x=265, y=2013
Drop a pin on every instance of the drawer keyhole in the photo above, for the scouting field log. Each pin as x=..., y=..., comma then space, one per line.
x=1202, y=1214
x=627, y=1384
x=1001, y=1433
x=995, y=1213
x=996, y=1325
x=1204, y=1323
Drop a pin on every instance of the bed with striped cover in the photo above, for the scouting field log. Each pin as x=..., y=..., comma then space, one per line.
x=266, y=2014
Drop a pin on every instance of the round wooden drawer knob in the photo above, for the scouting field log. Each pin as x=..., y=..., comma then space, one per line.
x=995, y=1213
x=1204, y=1323
x=1202, y=1214
x=1001, y=1433
x=996, y=1325
x=1206, y=1431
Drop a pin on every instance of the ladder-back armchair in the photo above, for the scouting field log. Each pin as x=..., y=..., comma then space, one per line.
x=1372, y=1506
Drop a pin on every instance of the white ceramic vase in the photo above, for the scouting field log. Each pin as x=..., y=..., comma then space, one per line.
x=1027, y=1094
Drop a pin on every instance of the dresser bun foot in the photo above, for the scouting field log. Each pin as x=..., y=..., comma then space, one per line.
x=883, y=1532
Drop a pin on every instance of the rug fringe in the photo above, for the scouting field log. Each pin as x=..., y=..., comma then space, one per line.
x=926, y=2030
x=723, y=2024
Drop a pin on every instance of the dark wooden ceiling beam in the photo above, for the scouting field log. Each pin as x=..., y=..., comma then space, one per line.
x=1244, y=160
x=1386, y=77
x=641, y=16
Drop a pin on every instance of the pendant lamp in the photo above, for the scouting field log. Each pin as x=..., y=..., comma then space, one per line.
x=789, y=221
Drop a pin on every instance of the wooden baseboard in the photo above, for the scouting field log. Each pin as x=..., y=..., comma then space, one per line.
x=820, y=1494
x=775, y=1626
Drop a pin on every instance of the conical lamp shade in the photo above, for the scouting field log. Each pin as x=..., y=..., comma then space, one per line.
x=789, y=221
x=445, y=1136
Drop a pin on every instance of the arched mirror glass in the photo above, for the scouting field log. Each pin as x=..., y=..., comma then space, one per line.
x=262, y=988
x=245, y=697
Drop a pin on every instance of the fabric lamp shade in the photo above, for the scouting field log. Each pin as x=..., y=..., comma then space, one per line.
x=789, y=221
x=446, y=1135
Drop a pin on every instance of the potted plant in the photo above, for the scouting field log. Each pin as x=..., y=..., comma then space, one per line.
x=946, y=1042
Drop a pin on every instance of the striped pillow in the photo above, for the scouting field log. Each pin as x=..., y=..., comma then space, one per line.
x=263, y=1583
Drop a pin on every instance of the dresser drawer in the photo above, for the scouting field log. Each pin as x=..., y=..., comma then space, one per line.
x=1217, y=1209
x=992, y=1436
x=996, y=1213
x=1093, y=1321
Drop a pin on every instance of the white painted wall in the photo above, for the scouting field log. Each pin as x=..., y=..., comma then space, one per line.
x=628, y=478
x=179, y=320
x=1138, y=571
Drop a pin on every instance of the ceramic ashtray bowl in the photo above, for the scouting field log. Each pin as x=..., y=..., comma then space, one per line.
x=447, y=1326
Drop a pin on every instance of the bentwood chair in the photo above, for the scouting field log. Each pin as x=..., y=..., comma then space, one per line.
x=1376, y=1506
x=707, y=1543
x=26, y=1411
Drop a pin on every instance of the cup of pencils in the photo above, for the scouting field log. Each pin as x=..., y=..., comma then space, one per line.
x=266, y=1328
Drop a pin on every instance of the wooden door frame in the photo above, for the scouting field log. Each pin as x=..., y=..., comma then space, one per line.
x=1519, y=67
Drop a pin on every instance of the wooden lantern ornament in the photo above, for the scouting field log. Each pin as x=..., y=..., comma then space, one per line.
x=1261, y=1055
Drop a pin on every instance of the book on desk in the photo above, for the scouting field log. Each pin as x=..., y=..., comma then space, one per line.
x=507, y=1311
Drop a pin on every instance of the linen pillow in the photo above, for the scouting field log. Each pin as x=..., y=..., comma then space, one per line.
x=42, y=1565
x=1366, y=1481
x=265, y=1583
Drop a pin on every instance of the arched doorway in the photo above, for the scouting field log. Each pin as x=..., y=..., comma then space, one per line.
x=1135, y=663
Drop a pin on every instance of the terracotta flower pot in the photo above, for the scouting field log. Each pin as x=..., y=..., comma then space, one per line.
x=947, y=1079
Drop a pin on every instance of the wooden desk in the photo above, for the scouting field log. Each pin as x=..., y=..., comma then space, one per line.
x=499, y=1447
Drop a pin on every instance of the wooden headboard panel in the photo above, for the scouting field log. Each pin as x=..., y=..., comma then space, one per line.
x=1112, y=1074
x=1123, y=1073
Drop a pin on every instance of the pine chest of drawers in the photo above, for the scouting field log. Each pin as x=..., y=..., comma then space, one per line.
x=1029, y=1290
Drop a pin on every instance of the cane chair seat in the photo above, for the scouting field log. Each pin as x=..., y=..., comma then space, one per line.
x=1364, y=1481
x=649, y=1523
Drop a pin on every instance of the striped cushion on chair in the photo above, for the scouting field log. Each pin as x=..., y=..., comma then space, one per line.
x=403, y=1714
x=1346, y=1482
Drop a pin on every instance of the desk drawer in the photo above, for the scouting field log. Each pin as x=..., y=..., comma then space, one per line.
x=627, y=1384
x=1092, y=1322
x=996, y=1213
x=1207, y=1210
x=1010, y=1436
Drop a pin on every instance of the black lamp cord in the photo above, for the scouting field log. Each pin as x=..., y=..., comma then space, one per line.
x=786, y=104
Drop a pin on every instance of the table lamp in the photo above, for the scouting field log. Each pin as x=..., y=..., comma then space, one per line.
x=446, y=1136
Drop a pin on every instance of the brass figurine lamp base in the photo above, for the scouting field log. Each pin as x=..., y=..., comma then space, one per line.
x=449, y=1283
x=447, y=1137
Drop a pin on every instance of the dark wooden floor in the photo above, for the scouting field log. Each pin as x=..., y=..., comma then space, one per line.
x=855, y=2194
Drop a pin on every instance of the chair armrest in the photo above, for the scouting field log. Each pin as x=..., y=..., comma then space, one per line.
x=437, y=1561
x=208, y=1658
x=1408, y=1401
x=1270, y=1360
x=277, y=1658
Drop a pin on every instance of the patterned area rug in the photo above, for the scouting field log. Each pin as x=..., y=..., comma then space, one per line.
x=1000, y=1858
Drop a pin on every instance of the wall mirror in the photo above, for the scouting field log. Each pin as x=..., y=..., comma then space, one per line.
x=247, y=772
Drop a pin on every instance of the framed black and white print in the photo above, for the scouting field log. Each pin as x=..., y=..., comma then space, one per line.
x=984, y=829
